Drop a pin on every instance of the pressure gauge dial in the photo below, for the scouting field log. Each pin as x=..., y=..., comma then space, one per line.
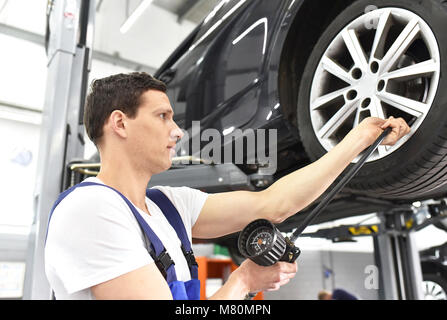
x=262, y=242
x=259, y=241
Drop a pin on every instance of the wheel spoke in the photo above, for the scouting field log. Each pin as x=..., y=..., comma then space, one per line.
x=413, y=107
x=376, y=108
x=380, y=36
x=414, y=71
x=356, y=118
x=403, y=41
x=321, y=101
x=382, y=150
x=334, y=68
x=433, y=287
x=336, y=121
x=355, y=49
x=438, y=292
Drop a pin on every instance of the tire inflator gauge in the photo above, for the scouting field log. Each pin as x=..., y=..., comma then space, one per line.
x=262, y=242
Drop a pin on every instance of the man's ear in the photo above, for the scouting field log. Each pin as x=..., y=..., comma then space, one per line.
x=118, y=123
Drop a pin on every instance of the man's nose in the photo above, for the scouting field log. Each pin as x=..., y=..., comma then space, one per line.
x=176, y=133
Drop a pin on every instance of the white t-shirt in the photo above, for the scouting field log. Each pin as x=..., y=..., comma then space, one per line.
x=94, y=237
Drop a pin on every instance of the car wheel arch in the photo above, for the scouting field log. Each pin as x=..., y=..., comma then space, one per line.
x=291, y=60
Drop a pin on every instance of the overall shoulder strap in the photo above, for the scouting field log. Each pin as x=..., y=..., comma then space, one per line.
x=61, y=197
x=173, y=217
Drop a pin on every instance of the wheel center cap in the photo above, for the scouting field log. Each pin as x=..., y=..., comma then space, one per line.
x=367, y=86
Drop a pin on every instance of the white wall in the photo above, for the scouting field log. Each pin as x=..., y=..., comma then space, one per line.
x=28, y=15
x=19, y=143
x=348, y=273
x=22, y=72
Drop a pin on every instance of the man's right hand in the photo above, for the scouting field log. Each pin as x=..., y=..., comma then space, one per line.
x=258, y=278
x=250, y=277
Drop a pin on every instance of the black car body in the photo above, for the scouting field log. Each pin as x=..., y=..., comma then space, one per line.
x=250, y=65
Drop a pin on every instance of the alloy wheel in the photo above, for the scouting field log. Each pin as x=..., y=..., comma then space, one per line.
x=433, y=291
x=384, y=63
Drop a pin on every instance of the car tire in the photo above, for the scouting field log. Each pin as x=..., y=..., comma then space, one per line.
x=418, y=166
x=435, y=287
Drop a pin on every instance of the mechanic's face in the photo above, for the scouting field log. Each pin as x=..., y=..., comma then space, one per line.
x=153, y=133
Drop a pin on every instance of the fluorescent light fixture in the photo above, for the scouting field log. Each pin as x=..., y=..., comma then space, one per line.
x=135, y=15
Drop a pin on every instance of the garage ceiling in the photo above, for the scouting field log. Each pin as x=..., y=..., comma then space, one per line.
x=110, y=47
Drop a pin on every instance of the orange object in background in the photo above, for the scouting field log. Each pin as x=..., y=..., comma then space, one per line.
x=216, y=268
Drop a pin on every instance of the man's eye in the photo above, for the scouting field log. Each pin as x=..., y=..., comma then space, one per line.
x=163, y=115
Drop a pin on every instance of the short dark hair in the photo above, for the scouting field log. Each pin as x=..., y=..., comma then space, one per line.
x=116, y=92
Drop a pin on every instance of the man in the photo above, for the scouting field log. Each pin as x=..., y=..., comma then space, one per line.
x=96, y=249
x=337, y=294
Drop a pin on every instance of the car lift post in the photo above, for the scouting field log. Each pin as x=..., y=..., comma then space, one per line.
x=69, y=57
x=395, y=251
x=397, y=258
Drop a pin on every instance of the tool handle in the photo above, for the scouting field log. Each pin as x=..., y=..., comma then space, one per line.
x=348, y=176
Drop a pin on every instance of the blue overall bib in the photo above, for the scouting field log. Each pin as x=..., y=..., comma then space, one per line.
x=181, y=290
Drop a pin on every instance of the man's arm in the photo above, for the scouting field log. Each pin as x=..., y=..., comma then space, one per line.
x=250, y=277
x=229, y=212
x=147, y=283
x=140, y=284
